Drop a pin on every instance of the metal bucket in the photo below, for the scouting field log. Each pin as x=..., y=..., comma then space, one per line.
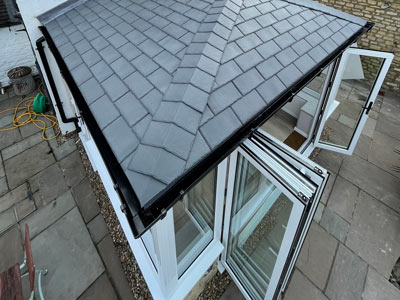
x=22, y=80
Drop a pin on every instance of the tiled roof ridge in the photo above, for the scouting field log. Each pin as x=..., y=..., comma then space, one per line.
x=193, y=81
x=311, y=4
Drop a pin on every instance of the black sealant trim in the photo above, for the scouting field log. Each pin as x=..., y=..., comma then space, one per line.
x=142, y=218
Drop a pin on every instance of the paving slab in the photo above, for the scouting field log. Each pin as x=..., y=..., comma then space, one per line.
x=64, y=149
x=68, y=253
x=7, y=219
x=86, y=200
x=343, y=198
x=375, y=181
x=48, y=184
x=24, y=208
x=317, y=254
x=382, y=152
x=28, y=130
x=334, y=224
x=2, y=172
x=330, y=160
x=328, y=187
x=21, y=146
x=3, y=186
x=374, y=234
x=232, y=293
x=369, y=127
x=363, y=146
x=24, y=165
x=18, y=194
x=47, y=215
x=300, y=288
x=347, y=277
x=101, y=289
x=388, y=120
x=378, y=287
x=10, y=248
x=6, y=121
x=97, y=228
x=114, y=267
x=318, y=213
x=9, y=137
x=73, y=168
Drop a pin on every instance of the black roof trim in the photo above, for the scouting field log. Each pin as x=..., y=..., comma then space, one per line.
x=141, y=219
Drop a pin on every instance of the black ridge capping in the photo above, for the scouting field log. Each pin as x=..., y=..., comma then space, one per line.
x=131, y=204
x=142, y=218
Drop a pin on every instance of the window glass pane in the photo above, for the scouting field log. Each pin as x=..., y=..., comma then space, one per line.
x=194, y=221
x=292, y=124
x=347, y=108
x=257, y=228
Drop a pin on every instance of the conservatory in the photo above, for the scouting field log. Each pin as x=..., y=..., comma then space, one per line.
x=200, y=116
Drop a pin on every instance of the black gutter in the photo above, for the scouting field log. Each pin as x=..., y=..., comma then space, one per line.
x=142, y=218
x=64, y=119
x=131, y=205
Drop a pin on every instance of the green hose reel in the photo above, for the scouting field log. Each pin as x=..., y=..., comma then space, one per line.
x=39, y=104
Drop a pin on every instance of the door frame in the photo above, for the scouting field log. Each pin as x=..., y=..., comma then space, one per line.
x=337, y=79
x=302, y=214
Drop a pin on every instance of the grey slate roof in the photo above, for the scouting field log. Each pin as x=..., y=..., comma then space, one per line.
x=170, y=80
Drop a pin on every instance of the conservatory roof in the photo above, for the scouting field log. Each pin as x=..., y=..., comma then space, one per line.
x=173, y=85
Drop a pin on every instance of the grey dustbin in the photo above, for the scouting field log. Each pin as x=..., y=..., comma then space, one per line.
x=22, y=80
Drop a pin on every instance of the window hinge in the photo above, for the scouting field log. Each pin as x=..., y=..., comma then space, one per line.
x=318, y=170
x=303, y=197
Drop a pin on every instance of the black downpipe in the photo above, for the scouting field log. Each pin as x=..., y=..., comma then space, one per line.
x=40, y=48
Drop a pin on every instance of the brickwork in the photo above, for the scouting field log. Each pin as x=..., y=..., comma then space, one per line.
x=385, y=34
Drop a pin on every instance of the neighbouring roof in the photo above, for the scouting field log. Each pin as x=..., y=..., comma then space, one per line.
x=169, y=80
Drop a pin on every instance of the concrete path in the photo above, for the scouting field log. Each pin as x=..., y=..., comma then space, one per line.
x=44, y=185
x=354, y=241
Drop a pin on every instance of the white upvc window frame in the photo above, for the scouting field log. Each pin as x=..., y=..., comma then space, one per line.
x=166, y=267
x=387, y=60
x=298, y=212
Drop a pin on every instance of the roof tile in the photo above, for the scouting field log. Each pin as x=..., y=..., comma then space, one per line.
x=248, y=81
x=131, y=109
x=214, y=133
x=104, y=111
x=138, y=84
x=271, y=89
x=121, y=138
x=101, y=71
x=91, y=90
x=248, y=106
x=223, y=97
x=269, y=67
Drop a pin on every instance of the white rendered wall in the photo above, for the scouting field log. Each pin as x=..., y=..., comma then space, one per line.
x=30, y=10
x=15, y=51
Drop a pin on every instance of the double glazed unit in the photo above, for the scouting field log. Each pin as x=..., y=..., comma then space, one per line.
x=200, y=116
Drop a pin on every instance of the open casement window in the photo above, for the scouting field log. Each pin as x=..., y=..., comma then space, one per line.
x=355, y=87
x=272, y=194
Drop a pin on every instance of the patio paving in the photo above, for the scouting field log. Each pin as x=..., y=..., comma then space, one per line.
x=354, y=241
x=44, y=184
